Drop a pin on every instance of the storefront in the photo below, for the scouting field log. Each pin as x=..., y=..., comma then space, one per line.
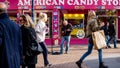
x=75, y=11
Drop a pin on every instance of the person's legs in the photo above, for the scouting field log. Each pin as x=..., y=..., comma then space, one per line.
x=23, y=66
x=45, y=53
x=90, y=47
x=100, y=55
x=79, y=62
x=106, y=37
x=108, y=42
x=67, y=43
x=115, y=41
x=101, y=65
x=62, y=44
x=31, y=66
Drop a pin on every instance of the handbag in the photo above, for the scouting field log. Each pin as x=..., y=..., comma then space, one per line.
x=34, y=48
x=99, y=39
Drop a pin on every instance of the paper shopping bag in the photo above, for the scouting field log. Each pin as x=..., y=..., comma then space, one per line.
x=99, y=39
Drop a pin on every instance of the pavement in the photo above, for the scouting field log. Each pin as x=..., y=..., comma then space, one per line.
x=111, y=57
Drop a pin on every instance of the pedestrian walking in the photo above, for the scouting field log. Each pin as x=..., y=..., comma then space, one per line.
x=10, y=41
x=66, y=30
x=27, y=28
x=112, y=34
x=92, y=26
x=41, y=31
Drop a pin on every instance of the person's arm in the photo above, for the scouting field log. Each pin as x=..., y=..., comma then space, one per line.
x=63, y=32
x=46, y=29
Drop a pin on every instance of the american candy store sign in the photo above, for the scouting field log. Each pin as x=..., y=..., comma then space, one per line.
x=69, y=2
x=65, y=4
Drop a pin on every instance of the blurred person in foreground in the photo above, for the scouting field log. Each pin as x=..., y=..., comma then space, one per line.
x=27, y=28
x=10, y=41
x=92, y=26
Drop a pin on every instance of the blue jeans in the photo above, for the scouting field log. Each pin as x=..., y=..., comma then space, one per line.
x=114, y=40
x=67, y=39
x=90, y=48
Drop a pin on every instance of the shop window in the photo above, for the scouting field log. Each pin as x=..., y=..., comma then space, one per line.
x=77, y=21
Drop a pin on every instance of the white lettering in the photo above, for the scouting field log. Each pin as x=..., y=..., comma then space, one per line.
x=70, y=2
x=109, y=2
x=43, y=2
x=83, y=2
x=96, y=2
x=38, y=2
x=115, y=2
x=103, y=2
x=48, y=2
x=54, y=2
x=61, y=2
x=76, y=2
x=26, y=2
x=20, y=2
x=89, y=2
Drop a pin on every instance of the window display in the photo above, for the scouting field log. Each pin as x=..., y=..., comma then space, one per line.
x=77, y=21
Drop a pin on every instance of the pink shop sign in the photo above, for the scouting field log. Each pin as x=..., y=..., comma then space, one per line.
x=64, y=4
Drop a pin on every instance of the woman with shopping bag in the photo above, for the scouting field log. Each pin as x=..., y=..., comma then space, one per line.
x=92, y=26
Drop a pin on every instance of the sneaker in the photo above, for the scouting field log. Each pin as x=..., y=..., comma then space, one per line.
x=48, y=65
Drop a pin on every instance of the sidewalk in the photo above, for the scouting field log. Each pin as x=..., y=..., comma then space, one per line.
x=111, y=57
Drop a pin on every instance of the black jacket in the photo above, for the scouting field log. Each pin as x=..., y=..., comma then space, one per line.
x=105, y=29
x=111, y=30
x=65, y=28
x=26, y=40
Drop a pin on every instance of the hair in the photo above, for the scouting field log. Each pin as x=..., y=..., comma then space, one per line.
x=27, y=21
x=91, y=14
x=65, y=21
x=3, y=7
x=43, y=17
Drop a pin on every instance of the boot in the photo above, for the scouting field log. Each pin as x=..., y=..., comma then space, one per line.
x=102, y=65
x=79, y=63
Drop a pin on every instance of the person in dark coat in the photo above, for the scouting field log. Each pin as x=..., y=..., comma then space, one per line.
x=10, y=41
x=112, y=34
x=27, y=29
x=104, y=27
